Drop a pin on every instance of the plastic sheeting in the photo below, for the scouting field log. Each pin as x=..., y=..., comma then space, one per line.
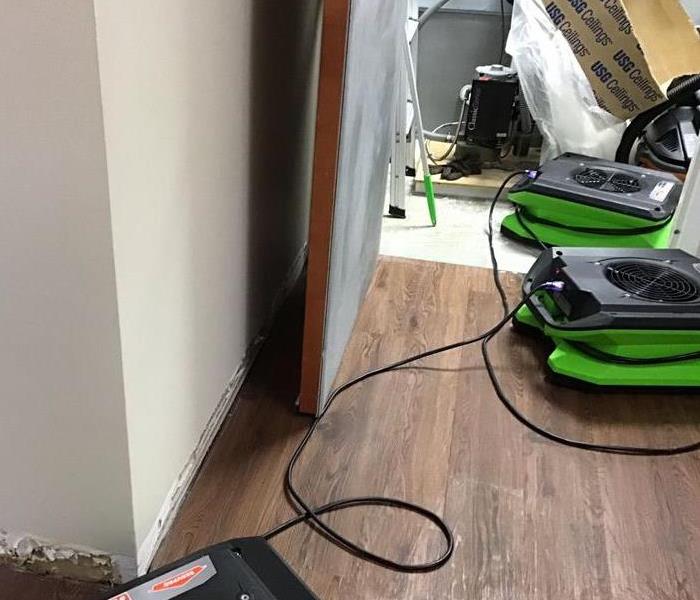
x=556, y=89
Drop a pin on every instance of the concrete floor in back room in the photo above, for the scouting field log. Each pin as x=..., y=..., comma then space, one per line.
x=458, y=238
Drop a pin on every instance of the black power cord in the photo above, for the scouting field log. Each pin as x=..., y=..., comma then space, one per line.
x=527, y=228
x=307, y=513
x=573, y=443
x=555, y=437
x=631, y=360
x=489, y=234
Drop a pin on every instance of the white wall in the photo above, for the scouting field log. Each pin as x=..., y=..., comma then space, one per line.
x=151, y=210
x=64, y=470
x=208, y=112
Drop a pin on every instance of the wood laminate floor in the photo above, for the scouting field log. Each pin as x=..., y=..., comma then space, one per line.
x=532, y=520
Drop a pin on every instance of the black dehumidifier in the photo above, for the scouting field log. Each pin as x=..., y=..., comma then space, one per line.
x=575, y=200
x=623, y=317
x=665, y=137
x=670, y=141
x=243, y=569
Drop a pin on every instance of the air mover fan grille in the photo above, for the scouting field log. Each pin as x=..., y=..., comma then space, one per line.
x=652, y=281
x=592, y=178
x=623, y=183
x=609, y=181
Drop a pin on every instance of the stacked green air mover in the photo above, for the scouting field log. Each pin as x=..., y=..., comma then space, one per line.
x=575, y=200
x=622, y=318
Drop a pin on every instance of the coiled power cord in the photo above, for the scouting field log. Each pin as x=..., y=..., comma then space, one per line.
x=306, y=513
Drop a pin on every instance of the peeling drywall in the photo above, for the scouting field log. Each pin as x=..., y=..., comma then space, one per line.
x=45, y=557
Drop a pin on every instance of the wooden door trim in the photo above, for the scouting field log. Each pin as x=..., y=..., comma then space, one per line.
x=334, y=39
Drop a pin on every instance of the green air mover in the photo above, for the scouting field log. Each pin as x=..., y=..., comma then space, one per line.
x=621, y=318
x=575, y=200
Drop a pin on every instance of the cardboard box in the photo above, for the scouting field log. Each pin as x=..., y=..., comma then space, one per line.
x=630, y=50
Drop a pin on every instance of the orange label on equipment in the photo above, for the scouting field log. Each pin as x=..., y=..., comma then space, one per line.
x=178, y=581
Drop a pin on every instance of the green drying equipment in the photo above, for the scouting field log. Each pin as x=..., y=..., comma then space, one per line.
x=576, y=200
x=621, y=318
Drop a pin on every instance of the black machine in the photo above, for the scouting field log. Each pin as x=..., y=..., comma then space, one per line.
x=242, y=569
x=576, y=200
x=494, y=121
x=497, y=116
x=622, y=318
x=665, y=137
x=670, y=141
x=491, y=104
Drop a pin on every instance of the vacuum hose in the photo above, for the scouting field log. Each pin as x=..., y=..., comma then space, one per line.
x=430, y=12
x=682, y=91
x=676, y=95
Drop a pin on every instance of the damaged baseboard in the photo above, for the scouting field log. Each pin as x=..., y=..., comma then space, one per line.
x=47, y=557
x=178, y=491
